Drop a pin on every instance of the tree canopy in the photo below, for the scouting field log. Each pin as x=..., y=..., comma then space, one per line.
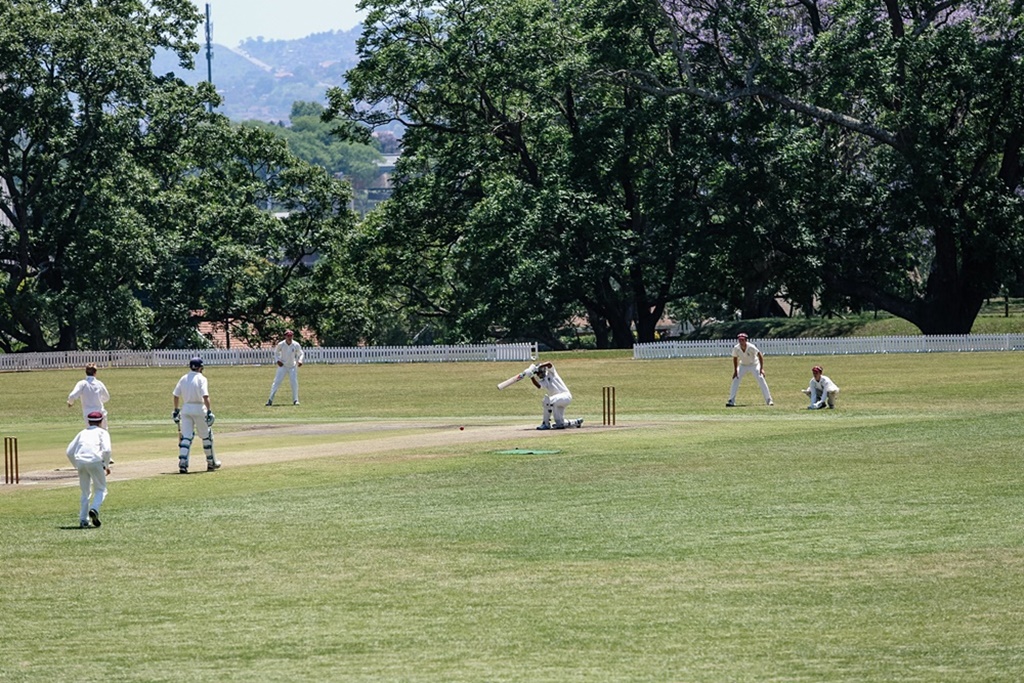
x=529, y=190
x=311, y=139
x=610, y=159
x=600, y=159
x=915, y=114
x=128, y=212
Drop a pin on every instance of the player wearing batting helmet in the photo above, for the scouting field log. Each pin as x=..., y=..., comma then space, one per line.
x=192, y=413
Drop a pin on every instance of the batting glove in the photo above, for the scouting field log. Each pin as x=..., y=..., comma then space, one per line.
x=209, y=419
x=176, y=416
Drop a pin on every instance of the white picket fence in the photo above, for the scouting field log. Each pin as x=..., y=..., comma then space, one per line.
x=834, y=346
x=53, y=360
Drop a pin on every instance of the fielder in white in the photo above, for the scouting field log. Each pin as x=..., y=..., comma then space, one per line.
x=821, y=390
x=289, y=359
x=194, y=414
x=747, y=359
x=556, y=398
x=89, y=452
x=93, y=394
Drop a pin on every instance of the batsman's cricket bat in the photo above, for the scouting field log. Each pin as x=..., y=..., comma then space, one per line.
x=528, y=372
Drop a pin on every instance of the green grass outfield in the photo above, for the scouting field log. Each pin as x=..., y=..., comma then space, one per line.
x=362, y=536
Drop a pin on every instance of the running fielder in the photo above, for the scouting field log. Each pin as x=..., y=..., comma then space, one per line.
x=93, y=394
x=89, y=452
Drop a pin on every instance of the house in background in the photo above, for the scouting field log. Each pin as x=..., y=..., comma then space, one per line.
x=219, y=337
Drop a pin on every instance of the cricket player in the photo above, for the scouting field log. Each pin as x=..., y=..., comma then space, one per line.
x=821, y=390
x=93, y=394
x=555, y=400
x=194, y=414
x=89, y=452
x=747, y=359
x=289, y=359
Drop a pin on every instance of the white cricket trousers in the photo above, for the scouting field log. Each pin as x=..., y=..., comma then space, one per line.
x=554, y=407
x=293, y=377
x=92, y=478
x=745, y=370
x=193, y=421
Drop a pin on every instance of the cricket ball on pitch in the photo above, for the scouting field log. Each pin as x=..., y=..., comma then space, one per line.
x=461, y=428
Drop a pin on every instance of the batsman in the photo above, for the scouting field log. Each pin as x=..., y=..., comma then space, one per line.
x=192, y=413
x=556, y=398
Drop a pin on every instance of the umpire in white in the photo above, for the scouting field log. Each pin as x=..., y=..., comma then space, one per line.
x=289, y=357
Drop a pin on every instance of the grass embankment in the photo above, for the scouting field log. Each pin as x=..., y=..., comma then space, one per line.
x=877, y=542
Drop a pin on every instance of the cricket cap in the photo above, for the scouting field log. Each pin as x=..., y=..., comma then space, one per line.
x=196, y=363
x=741, y=335
x=94, y=416
x=816, y=368
x=288, y=333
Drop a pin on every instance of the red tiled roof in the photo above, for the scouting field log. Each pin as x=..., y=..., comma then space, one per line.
x=216, y=333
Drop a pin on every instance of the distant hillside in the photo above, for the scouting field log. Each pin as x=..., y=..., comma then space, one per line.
x=261, y=79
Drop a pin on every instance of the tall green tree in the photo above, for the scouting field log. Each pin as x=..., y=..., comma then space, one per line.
x=128, y=212
x=918, y=109
x=225, y=256
x=529, y=188
x=75, y=81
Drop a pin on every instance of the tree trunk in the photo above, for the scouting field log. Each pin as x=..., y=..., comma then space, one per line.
x=647, y=323
x=68, y=340
x=622, y=332
x=954, y=293
x=954, y=314
x=613, y=319
x=599, y=327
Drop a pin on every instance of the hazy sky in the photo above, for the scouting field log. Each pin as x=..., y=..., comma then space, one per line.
x=236, y=20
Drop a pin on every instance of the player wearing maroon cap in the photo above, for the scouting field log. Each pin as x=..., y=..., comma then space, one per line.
x=289, y=357
x=746, y=359
x=89, y=452
x=821, y=390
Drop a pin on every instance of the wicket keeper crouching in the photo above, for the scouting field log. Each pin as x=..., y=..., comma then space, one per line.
x=194, y=415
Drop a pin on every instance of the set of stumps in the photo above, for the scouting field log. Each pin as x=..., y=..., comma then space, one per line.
x=11, y=474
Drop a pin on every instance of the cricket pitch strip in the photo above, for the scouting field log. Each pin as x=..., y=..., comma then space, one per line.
x=357, y=441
